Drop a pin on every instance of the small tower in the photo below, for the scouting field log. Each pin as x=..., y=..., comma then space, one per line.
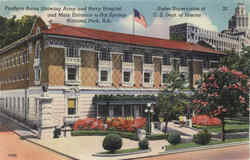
x=239, y=20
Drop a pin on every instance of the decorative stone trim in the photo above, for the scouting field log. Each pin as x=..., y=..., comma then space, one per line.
x=73, y=61
x=121, y=154
x=72, y=82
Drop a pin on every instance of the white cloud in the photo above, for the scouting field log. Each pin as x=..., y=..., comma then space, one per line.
x=160, y=25
x=46, y=18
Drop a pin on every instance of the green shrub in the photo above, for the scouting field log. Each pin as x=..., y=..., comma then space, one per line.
x=174, y=138
x=112, y=142
x=203, y=137
x=124, y=134
x=143, y=144
x=157, y=137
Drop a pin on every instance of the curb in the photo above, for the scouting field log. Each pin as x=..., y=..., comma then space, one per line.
x=203, y=148
x=63, y=154
x=190, y=150
x=121, y=154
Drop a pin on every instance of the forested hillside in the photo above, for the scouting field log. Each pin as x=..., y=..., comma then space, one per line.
x=12, y=29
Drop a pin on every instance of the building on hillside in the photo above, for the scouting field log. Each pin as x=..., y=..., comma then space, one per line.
x=238, y=25
x=235, y=38
x=50, y=76
x=194, y=34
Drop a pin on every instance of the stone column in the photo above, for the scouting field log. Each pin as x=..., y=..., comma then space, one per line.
x=46, y=125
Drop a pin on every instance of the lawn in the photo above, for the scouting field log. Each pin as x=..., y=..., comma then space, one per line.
x=212, y=142
x=121, y=151
x=230, y=126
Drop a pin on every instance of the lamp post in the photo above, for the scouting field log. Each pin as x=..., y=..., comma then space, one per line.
x=149, y=111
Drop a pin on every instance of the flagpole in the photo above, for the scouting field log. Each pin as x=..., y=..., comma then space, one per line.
x=133, y=27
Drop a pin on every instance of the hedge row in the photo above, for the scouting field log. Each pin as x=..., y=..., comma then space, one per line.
x=235, y=130
x=157, y=137
x=129, y=135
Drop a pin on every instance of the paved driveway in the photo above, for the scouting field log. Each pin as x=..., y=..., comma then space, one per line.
x=82, y=147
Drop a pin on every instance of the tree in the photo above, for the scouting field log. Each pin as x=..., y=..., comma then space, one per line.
x=13, y=29
x=237, y=61
x=223, y=93
x=172, y=100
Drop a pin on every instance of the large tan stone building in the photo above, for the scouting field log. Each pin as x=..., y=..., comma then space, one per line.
x=51, y=75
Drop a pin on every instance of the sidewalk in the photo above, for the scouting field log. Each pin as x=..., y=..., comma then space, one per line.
x=183, y=130
x=82, y=147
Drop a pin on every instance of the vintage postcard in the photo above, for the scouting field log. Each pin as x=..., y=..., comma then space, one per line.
x=136, y=79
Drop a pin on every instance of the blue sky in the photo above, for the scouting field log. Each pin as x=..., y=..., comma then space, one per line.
x=212, y=18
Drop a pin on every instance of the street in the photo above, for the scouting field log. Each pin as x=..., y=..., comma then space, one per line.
x=240, y=152
x=14, y=148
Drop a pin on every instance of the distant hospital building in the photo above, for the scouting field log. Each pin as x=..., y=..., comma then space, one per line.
x=234, y=38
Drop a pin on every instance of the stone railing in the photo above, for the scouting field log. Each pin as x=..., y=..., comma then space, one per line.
x=105, y=63
x=127, y=65
x=73, y=60
x=72, y=82
x=70, y=120
x=148, y=66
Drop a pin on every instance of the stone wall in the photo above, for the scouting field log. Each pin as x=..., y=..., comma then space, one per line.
x=89, y=75
x=138, y=71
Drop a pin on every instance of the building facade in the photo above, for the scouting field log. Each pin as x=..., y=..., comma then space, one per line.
x=239, y=20
x=51, y=75
x=194, y=34
x=238, y=25
x=234, y=38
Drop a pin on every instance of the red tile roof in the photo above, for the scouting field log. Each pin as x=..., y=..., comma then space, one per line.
x=60, y=29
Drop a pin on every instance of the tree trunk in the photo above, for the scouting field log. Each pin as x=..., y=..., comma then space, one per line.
x=223, y=129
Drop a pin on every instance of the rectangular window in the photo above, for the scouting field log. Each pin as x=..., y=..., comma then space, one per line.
x=18, y=59
x=184, y=61
x=126, y=76
x=37, y=74
x=148, y=59
x=18, y=104
x=205, y=64
x=176, y=65
x=104, y=76
x=105, y=54
x=128, y=111
x=127, y=57
x=164, y=77
x=24, y=59
x=117, y=111
x=103, y=110
x=72, y=52
x=27, y=76
x=23, y=104
x=147, y=77
x=15, y=59
x=71, y=106
x=166, y=60
x=71, y=73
